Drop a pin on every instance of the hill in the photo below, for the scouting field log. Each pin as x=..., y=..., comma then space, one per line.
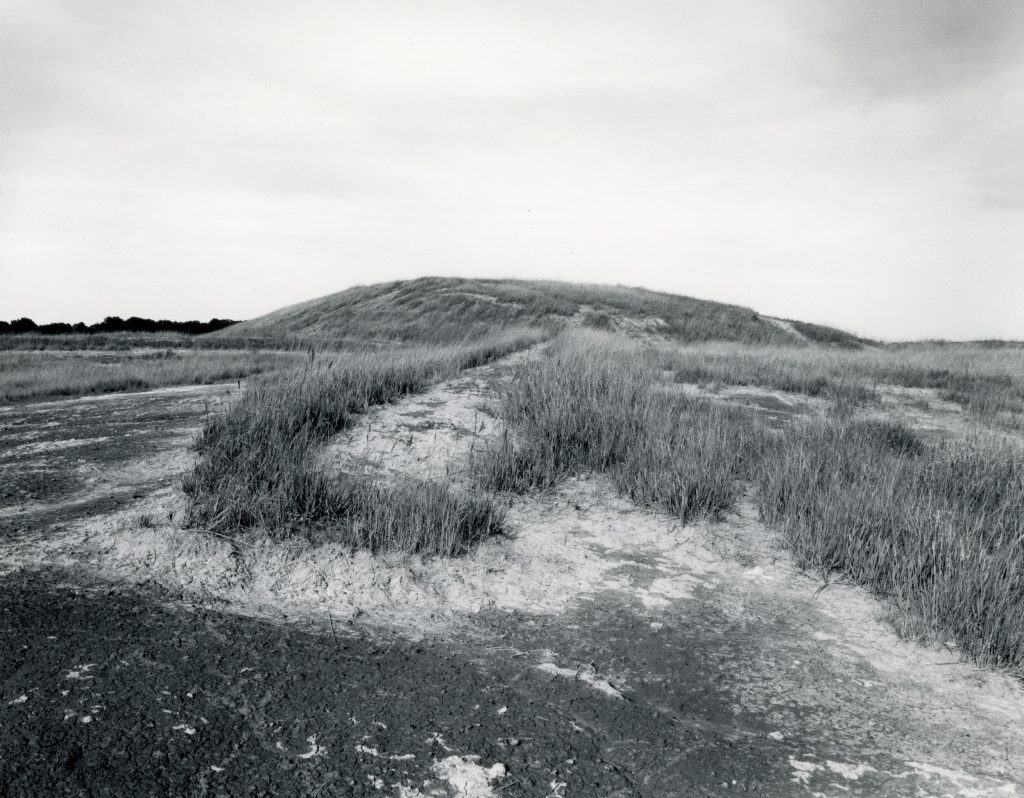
x=441, y=309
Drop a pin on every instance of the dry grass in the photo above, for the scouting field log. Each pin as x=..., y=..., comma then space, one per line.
x=937, y=530
x=987, y=381
x=596, y=403
x=128, y=341
x=35, y=375
x=258, y=465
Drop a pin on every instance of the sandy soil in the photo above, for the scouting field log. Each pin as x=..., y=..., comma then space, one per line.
x=597, y=650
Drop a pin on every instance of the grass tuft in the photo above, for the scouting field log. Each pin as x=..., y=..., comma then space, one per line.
x=258, y=461
x=597, y=404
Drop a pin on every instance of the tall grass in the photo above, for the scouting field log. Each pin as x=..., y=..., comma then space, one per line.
x=594, y=404
x=34, y=375
x=257, y=462
x=938, y=530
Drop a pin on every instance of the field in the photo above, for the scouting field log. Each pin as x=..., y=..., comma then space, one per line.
x=642, y=545
x=37, y=375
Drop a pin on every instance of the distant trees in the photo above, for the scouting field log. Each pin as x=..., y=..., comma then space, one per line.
x=115, y=324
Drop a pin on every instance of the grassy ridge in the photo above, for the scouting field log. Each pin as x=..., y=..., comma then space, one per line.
x=258, y=464
x=34, y=375
x=938, y=530
x=442, y=310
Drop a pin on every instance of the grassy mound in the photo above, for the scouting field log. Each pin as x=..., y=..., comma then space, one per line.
x=435, y=309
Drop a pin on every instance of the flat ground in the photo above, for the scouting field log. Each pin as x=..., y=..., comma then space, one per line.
x=598, y=650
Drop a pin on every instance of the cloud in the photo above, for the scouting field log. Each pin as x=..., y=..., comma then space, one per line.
x=913, y=47
x=789, y=156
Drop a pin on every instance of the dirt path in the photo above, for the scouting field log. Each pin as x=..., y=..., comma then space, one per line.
x=600, y=650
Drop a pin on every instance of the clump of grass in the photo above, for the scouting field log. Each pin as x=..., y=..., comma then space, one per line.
x=937, y=530
x=595, y=405
x=258, y=459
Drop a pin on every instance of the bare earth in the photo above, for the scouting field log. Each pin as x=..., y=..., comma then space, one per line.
x=598, y=650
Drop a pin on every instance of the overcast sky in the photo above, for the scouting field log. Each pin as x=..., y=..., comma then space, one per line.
x=853, y=163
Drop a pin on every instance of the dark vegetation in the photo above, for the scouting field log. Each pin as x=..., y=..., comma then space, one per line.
x=115, y=324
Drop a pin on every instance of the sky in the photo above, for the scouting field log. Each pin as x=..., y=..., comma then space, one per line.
x=850, y=163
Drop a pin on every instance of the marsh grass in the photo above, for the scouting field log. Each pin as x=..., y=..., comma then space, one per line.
x=258, y=464
x=37, y=375
x=938, y=530
x=595, y=404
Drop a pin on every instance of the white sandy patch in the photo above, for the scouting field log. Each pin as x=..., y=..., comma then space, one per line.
x=802, y=771
x=463, y=777
x=848, y=772
x=41, y=447
x=219, y=390
x=753, y=396
x=558, y=552
x=786, y=326
x=81, y=672
x=583, y=674
x=413, y=437
x=314, y=749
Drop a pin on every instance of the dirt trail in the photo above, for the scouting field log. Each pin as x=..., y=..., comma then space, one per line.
x=599, y=650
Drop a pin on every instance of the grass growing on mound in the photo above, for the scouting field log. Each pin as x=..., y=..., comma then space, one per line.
x=595, y=404
x=936, y=529
x=258, y=462
x=442, y=309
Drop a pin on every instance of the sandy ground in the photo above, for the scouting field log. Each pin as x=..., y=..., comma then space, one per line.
x=655, y=659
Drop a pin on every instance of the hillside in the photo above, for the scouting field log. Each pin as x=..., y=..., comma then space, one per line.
x=446, y=309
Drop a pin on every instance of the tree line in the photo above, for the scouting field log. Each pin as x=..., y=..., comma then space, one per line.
x=115, y=324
